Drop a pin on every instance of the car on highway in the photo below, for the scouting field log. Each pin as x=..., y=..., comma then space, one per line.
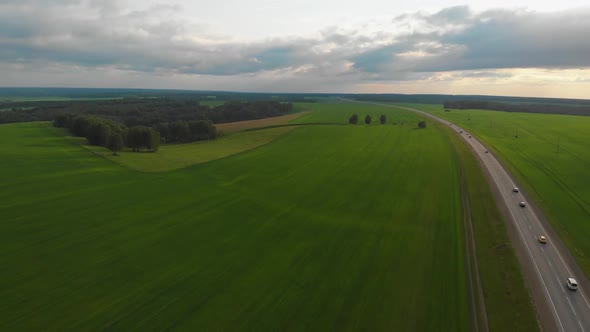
x=522, y=204
x=542, y=239
x=487, y=151
x=572, y=284
x=469, y=136
x=515, y=189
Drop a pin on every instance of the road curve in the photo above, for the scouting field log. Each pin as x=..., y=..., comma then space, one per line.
x=570, y=309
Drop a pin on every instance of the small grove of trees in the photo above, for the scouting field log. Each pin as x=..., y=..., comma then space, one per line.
x=354, y=119
x=368, y=119
x=382, y=119
x=115, y=136
x=186, y=131
x=422, y=124
x=96, y=130
x=108, y=133
x=142, y=137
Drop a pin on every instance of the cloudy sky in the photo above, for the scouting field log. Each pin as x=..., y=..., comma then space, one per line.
x=370, y=46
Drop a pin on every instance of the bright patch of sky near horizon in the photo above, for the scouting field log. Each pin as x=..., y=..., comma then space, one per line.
x=533, y=48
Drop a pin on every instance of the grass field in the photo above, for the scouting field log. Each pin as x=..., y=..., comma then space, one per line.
x=327, y=228
x=341, y=112
x=174, y=156
x=232, y=127
x=556, y=174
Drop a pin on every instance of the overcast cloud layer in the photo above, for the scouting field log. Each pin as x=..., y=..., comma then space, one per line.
x=98, y=43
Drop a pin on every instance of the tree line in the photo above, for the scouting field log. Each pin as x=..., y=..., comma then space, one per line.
x=145, y=111
x=186, y=131
x=514, y=107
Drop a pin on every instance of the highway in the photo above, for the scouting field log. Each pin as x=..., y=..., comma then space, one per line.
x=570, y=309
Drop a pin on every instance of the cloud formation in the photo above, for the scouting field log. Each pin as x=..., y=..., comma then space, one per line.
x=158, y=39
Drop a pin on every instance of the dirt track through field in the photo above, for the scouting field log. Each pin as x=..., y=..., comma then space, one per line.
x=479, y=317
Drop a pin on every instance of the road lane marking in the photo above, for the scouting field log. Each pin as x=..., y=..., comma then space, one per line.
x=571, y=306
x=556, y=278
x=581, y=326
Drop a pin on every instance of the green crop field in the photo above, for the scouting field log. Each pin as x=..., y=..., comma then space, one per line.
x=326, y=228
x=174, y=156
x=550, y=156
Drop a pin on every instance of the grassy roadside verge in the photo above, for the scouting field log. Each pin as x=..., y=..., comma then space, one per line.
x=508, y=303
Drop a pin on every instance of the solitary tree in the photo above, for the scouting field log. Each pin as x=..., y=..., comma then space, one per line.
x=368, y=119
x=115, y=143
x=382, y=119
x=422, y=124
x=354, y=119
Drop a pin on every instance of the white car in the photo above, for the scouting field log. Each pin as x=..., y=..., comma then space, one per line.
x=522, y=204
x=515, y=189
x=572, y=284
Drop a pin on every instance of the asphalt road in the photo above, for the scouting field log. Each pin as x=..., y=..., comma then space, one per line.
x=570, y=309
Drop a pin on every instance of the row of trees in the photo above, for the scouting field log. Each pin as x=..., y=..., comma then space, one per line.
x=354, y=119
x=109, y=133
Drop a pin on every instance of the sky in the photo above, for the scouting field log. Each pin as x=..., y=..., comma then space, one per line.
x=532, y=48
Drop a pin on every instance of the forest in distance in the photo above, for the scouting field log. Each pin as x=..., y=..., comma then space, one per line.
x=117, y=124
x=145, y=111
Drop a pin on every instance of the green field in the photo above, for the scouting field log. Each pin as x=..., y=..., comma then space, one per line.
x=551, y=158
x=174, y=156
x=326, y=228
